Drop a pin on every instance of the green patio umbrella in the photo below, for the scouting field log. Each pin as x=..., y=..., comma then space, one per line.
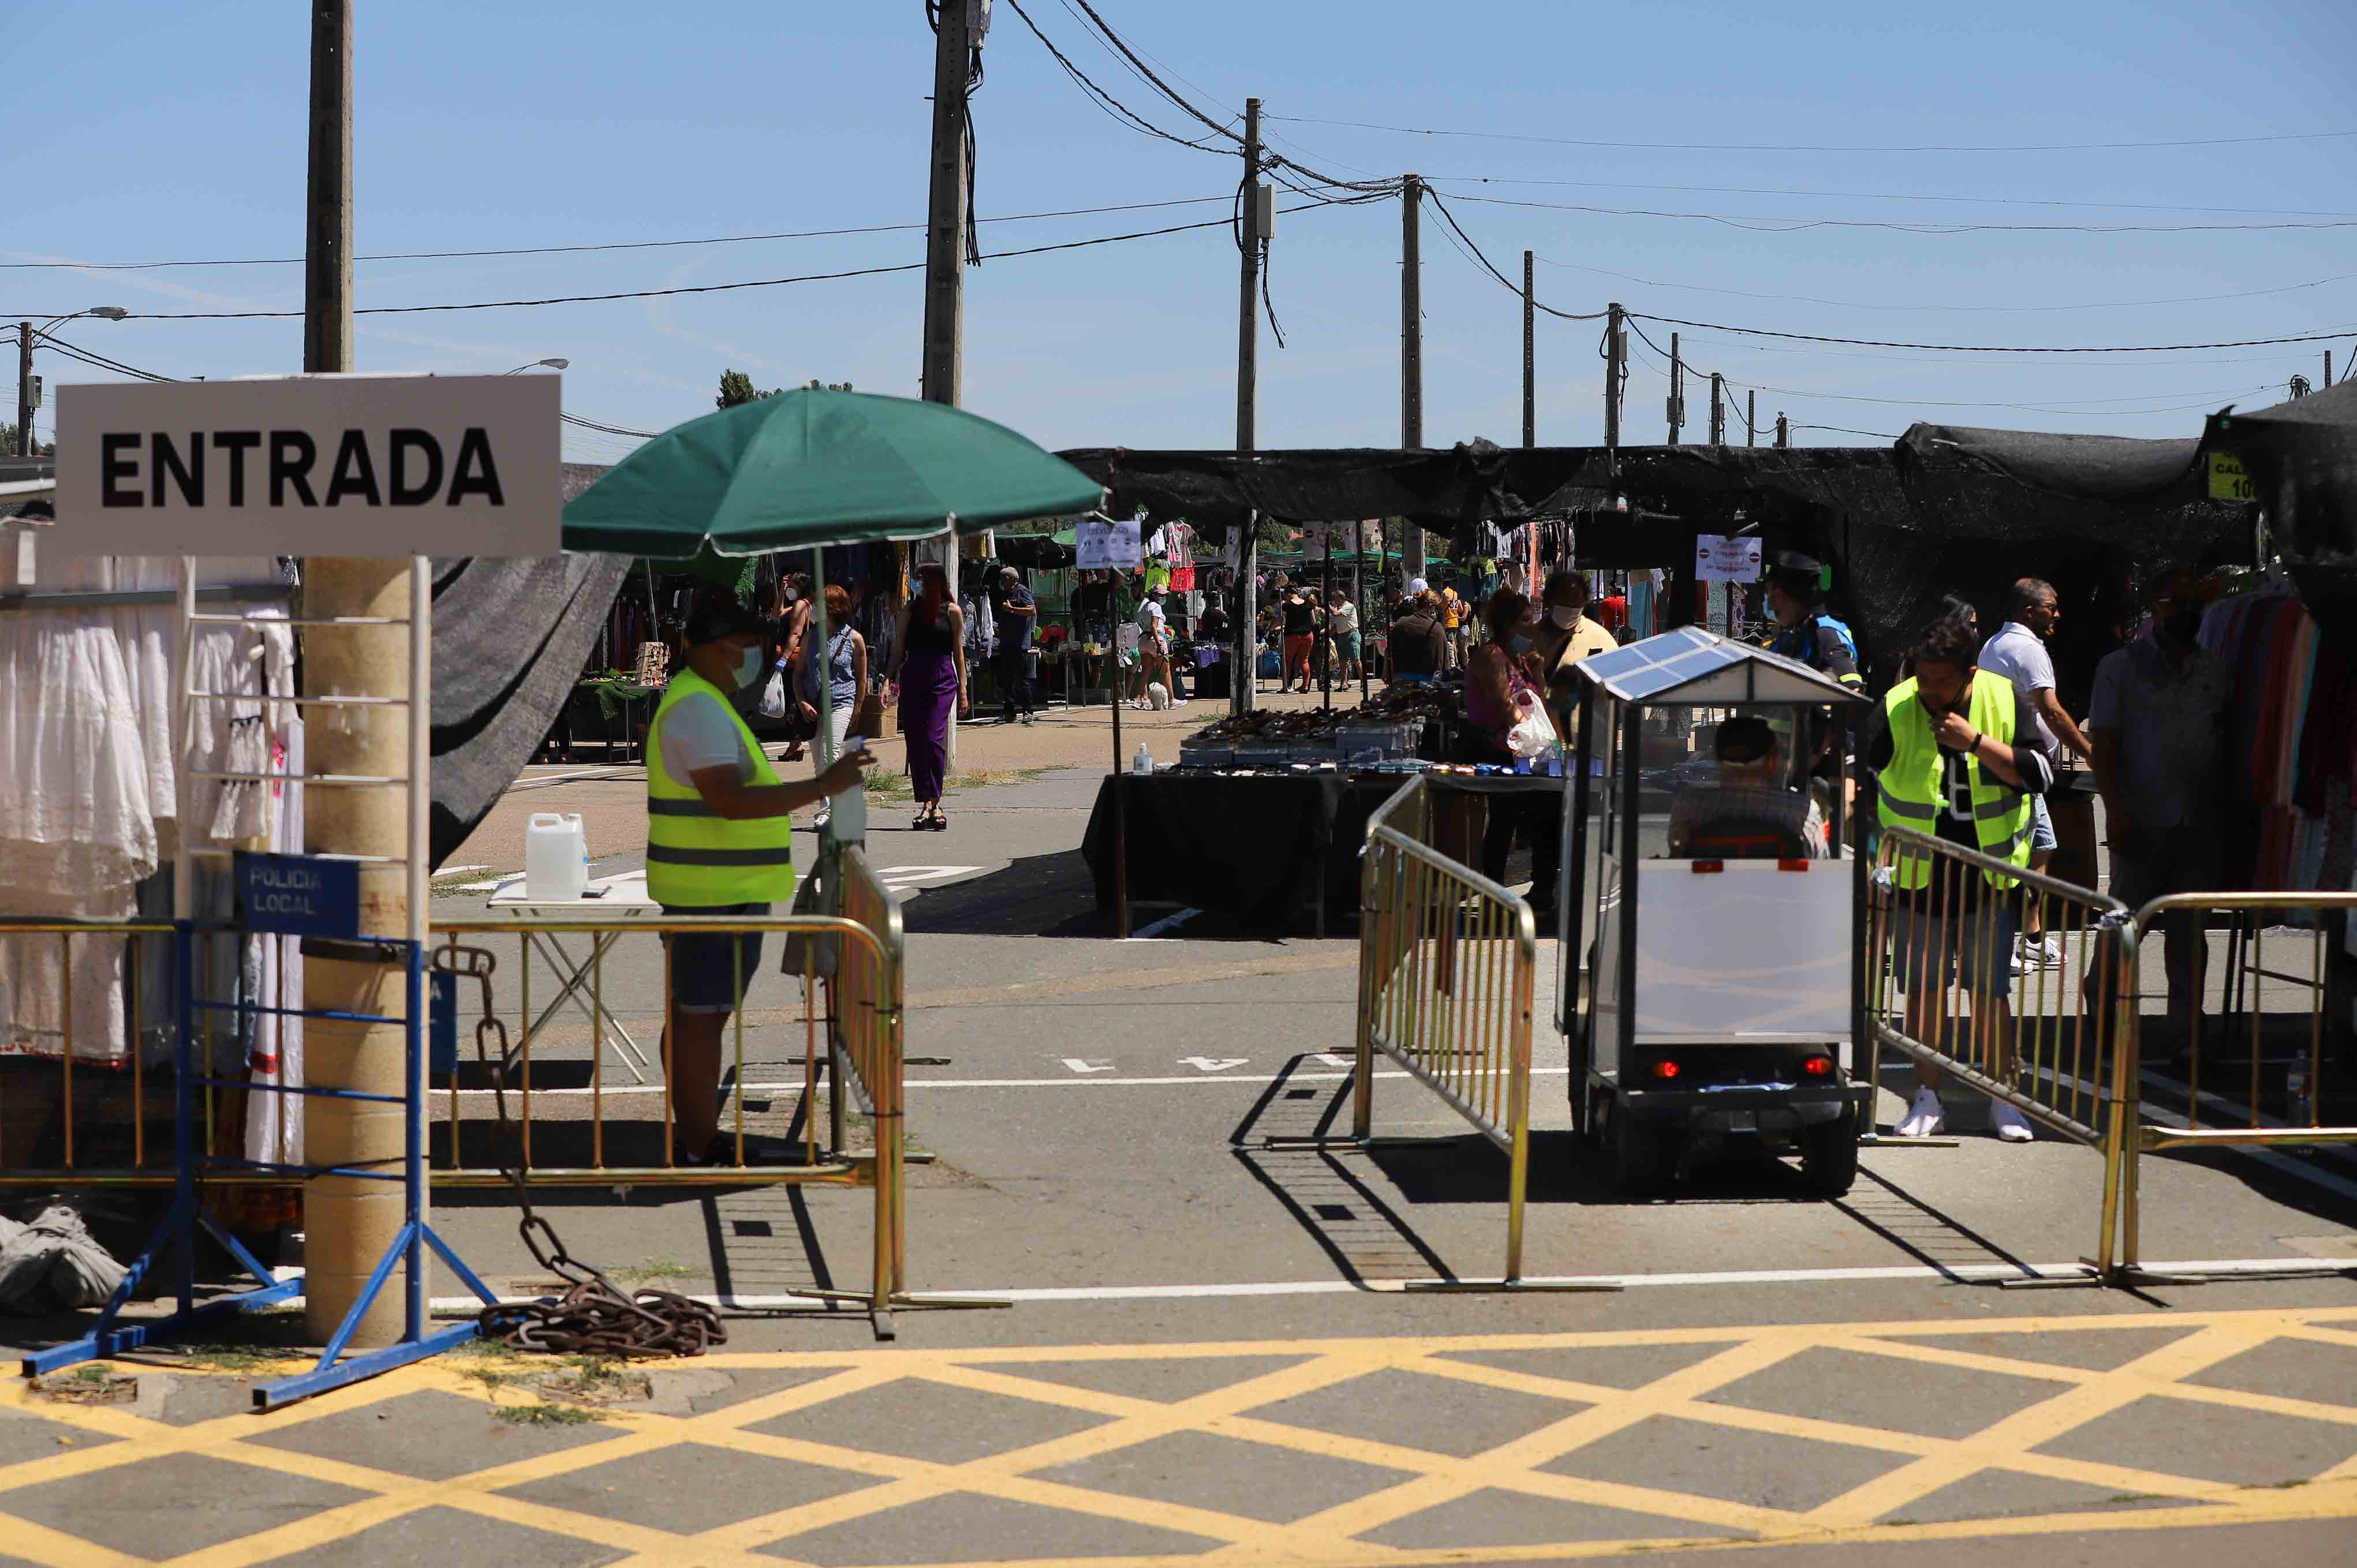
x=810, y=468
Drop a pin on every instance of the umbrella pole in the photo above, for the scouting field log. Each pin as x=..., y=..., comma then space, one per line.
x=1325, y=665
x=1359, y=599
x=1120, y=820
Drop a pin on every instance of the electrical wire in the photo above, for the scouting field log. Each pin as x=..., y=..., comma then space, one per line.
x=585, y=423
x=1826, y=147
x=1975, y=309
x=1845, y=430
x=1487, y=265
x=1105, y=101
x=688, y=288
x=1768, y=225
x=1992, y=349
x=95, y=360
x=619, y=245
x=1889, y=196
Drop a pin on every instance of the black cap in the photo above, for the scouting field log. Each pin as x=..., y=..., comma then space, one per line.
x=1747, y=737
x=718, y=614
x=1793, y=561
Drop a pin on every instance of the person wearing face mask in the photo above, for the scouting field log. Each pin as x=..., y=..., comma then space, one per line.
x=2157, y=723
x=1805, y=630
x=1500, y=674
x=1568, y=636
x=719, y=842
x=1955, y=755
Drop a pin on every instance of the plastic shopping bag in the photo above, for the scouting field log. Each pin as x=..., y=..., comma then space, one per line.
x=773, y=696
x=1533, y=733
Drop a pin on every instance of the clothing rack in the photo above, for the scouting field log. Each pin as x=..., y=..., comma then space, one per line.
x=44, y=600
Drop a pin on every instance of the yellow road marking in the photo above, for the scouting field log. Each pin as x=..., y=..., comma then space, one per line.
x=1332, y=1536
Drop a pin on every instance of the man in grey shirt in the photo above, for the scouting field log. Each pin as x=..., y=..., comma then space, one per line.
x=2018, y=653
x=2158, y=721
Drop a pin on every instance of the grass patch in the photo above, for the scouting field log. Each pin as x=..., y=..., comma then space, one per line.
x=231, y=1357
x=651, y=1270
x=547, y=1415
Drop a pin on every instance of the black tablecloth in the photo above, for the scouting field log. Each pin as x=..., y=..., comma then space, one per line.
x=1254, y=847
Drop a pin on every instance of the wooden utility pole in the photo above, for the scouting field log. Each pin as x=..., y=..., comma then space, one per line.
x=1717, y=409
x=1784, y=432
x=1677, y=389
x=2328, y=369
x=1616, y=351
x=943, y=369
x=1412, y=350
x=1529, y=359
x=1243, y=670
x=1752, y=419
x=24, y=387
x=349, y=1223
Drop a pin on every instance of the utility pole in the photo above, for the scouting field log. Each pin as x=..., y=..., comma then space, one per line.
x=1616, y=349
x=350, y=1222
x=2328, y=369
x=1717, y=409
x=1243, y=669
x=1529, y=359
x=1412, y=350
x=1751, y=418
x=24, y=388
x=1677, y=389
x=945, y=225
x=1783, y=432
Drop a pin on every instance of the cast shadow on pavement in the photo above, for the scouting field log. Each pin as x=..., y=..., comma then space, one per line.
x=1044, y=896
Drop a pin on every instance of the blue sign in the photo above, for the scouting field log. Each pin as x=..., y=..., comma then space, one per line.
x=299, y=895
x=442, y=1023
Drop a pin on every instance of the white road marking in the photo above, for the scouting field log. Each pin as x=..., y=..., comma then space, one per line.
x=1077, y=1065
x=896, y=876
x=1330, y=1059
x=466, y=1305
x=611, y=1091
x=1213, y=1064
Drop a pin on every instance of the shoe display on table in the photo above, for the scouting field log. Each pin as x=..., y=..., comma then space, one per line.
x=2009, y=1123
x=1925, y=1119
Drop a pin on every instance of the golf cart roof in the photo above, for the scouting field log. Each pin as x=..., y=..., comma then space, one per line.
x=1694, y=666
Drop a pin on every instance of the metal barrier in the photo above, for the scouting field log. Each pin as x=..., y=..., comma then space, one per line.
x=2238, y=1107
x=2050, y=1045
x=1447, y=969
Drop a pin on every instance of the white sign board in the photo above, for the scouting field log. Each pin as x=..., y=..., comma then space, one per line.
x=310, y=465
x=1108, y=546
x=1718, y=559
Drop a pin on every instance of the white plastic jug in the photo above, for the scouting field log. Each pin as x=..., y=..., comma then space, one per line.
x=556, y=857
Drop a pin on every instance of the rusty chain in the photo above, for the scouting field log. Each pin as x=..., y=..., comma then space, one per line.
x=595, y=1315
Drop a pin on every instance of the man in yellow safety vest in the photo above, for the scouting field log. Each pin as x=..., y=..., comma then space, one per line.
x=1956, y=757
x=719, y=842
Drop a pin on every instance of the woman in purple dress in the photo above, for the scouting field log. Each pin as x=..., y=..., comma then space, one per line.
x=928, y=663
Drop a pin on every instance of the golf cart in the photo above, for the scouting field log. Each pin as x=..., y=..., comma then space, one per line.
x=1705, y=856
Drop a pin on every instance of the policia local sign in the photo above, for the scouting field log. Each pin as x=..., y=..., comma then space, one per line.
x=310, y=465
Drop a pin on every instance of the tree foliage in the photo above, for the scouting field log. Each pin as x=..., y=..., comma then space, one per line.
x=736, y=388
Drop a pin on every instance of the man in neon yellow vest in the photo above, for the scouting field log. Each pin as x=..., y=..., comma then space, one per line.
x=1957, y=756
x=719, y=842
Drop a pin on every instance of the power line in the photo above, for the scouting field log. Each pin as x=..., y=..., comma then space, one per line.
x=1105, y=101
x=1892, y=196
x=1823, y=147
x=1845, y=430
x=1768, y=225
x=1487, y=265
x=100, y=361
x=1976, y=309
x=576, y=250
x=1991, y=349
x=584, y=424
x=691, y=288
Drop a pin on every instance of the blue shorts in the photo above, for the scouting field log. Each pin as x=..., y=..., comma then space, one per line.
x=709, y=973
x=2041, y=826
x=1931, y=947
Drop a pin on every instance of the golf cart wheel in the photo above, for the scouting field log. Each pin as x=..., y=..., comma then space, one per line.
x=1644, y=1160
x=1829, y=1156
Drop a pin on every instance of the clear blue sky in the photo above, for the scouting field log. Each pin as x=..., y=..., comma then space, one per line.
x=145, y=131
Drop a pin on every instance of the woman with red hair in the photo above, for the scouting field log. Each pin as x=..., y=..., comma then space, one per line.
x=928, y=663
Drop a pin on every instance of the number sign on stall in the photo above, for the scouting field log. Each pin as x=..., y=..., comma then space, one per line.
x=310, y=465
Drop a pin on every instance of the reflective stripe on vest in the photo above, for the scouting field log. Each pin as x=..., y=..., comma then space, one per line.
x=1908, y=789
x=697, y=858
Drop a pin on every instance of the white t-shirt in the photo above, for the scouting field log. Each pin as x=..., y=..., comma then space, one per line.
x=699, y=732
x=2019, y=655
x=1343, y=619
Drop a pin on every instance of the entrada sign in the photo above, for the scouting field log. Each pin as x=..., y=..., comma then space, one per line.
x=311, y=464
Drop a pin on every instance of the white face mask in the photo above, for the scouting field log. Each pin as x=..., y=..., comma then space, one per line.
x=749, y=667
x=787, y=595
x=1563, y=616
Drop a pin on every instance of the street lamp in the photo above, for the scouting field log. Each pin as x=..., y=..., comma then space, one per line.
x=107, y=312
x=539, y=364
x=26, y=333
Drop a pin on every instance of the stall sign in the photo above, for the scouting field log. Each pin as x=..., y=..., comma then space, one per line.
x=2228, y=481
x=299, y=895
x=1108, y=546
x=1720, y=559
x=311, y=465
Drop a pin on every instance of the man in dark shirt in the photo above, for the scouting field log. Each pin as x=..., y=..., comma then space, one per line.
x=1955, y=750
x=1016, y=613
x=1413, y=647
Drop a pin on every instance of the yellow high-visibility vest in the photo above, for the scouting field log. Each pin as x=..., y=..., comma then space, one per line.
x=1909, y=788
x=697, y=858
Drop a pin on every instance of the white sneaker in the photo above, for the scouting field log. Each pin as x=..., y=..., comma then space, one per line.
x=2044, y=952
x=1925, y=1118
x=2010, y=1124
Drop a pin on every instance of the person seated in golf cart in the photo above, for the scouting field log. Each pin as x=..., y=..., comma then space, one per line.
x=1752, y=812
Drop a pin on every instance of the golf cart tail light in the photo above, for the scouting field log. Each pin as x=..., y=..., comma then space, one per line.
x=1665, y=1069
x=1703, y=865
x=1817, y=1067
x=1792, y=865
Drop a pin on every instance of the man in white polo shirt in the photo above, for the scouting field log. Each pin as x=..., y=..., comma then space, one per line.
x=2018, y=652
